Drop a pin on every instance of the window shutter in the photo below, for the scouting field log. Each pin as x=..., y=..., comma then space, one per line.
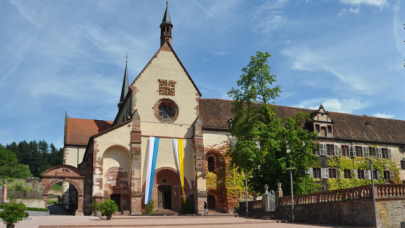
x=366, y=151
x=336, y=151
x=323, y=149
x=379, y=152
x=367, y=174
x=389, y=153
x=324, y=173
x=351, y=151
x=355, y=173
x=310, y=172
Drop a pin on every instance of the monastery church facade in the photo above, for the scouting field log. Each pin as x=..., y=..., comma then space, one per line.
x=166, y=137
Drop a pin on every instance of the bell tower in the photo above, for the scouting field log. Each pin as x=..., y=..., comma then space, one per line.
x=166, y=27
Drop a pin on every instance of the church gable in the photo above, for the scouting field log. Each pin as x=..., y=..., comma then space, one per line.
x=164, y=80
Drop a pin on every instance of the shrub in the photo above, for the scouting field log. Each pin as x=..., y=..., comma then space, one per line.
x=107, y=208
x=13, y=213
x=148, y=208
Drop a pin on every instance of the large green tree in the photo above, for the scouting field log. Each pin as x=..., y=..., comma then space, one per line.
x=266, y=145
x=9, y=166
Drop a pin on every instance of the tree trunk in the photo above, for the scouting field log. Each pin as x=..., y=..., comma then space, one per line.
x=10, y=225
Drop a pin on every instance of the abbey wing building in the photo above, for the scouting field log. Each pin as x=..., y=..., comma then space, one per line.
x=166, y=138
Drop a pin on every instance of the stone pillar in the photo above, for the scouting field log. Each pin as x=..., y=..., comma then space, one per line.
x=4, y=194
x=136, y=162
x=79, y=210
x=200, y=188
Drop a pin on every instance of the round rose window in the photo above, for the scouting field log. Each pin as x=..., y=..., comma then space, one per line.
x=167, y=110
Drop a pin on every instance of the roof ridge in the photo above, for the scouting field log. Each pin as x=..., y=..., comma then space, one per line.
x=308, y=109
x=70, y=118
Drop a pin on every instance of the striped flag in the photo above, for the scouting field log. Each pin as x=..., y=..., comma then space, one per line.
x=153, y=149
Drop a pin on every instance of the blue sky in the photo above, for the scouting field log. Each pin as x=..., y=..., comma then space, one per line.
x=66, y=55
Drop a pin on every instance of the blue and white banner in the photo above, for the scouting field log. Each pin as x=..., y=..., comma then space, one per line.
x=153, y=149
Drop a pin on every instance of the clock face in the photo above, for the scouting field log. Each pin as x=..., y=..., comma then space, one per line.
x=167, y=110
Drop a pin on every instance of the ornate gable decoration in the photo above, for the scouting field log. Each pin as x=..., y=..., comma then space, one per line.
x=321, y=115
x=167, y=87
x=322, y=123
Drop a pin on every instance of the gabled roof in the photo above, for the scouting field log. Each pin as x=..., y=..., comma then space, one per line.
x=216, y=113
x=78, y=131
x=167, y=46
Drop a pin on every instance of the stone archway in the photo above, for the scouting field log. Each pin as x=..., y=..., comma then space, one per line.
x=64, y=173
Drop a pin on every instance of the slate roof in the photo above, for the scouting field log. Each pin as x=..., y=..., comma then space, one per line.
x=216, y=113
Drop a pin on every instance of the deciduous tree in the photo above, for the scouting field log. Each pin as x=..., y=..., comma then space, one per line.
x=267, y=145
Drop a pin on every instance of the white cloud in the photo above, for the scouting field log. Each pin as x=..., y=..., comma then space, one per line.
x=378, y=3
x=350, y=10
x=314, y=60
x=270, y=16
x=334, y=104
x=384, y=115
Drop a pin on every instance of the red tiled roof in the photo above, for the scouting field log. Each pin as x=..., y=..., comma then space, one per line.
x=216, y=113
x=78, y=131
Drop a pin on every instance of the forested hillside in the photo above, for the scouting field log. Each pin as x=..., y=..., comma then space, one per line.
x=38, y=155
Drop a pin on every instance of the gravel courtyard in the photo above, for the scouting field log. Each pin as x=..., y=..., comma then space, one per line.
x=152, y=221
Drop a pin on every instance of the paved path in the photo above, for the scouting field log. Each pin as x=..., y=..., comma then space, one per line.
x=152, y=222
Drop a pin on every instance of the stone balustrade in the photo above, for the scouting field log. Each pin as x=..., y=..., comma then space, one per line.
x=383, y=192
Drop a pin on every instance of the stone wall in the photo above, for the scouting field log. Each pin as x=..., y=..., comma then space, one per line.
x=353, y=213
x=362, y=206
x=390, y=213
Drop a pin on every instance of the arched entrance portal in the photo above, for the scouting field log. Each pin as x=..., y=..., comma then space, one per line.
x=67, y=174
x=168, y=189
x=116, y=168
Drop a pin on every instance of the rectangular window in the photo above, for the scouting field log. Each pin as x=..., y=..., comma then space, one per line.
x=384, y=153
x=347, y=173
x=317, y=172
x=375, y=174
x=329, y=130
x=351, y=151
x=387, y=175
x=330, y=149
x=323, y=132
x=402, y=164
x=359, y=151
x=317, y=128
x=332, y=173
x=372, y=151
x=345, y=150
x=361, y=174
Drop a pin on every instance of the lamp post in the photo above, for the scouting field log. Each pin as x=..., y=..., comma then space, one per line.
x=290, y=169
x=370, y=163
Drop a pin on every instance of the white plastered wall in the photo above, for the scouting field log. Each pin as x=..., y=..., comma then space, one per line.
x=73, y=155
x=213, y=139
x=165, y=66
x=118, y=138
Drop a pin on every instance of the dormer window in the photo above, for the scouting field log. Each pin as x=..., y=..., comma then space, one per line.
x=330, y=130
x=323, y=132
x=322, y=123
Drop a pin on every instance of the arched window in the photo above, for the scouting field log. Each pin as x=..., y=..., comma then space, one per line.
x=211, y=164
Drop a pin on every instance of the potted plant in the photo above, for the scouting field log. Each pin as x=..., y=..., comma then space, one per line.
x=13, y=213
x=107, y=208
